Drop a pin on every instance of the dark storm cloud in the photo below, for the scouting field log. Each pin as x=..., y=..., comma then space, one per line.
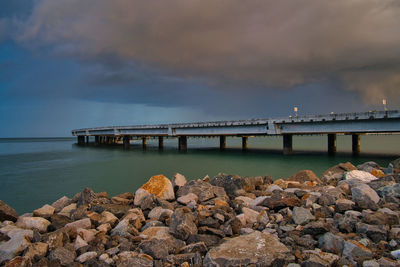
x=227, y=45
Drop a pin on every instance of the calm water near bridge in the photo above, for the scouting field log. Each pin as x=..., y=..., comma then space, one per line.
x=38, y=171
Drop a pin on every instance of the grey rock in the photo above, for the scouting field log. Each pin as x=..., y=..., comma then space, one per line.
x=356, y=251
x=370, y=263
x=331, y=243
x=365, y=197
x=203, y=190
x=61, y=203
x=368, y=166
x=334, y=174
x=343, y=205
x=182, y=224
x=85, y=197
x=375, y=232
x=392, y=191
x=301, y=215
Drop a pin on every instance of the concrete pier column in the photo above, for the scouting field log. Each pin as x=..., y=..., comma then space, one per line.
x=356, y=145
x=160, y=142
x=144, y=142
x=182, y=143
x=81, y=140
x=87, y=139
x=222, y=142
x=245, y=142
x=96, y=139
x=331, y=143
x=126, y=141
x=107, y=140
x=101, y=138
x=287, y=144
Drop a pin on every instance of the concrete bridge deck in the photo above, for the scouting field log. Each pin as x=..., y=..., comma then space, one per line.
x=331, y=124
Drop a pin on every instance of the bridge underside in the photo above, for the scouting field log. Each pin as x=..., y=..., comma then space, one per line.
x=353, y=124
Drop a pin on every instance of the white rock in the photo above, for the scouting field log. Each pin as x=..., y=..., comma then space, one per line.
x=14, y=246
x=37, y=223
x=396, y=254
x=45, y=211
x=362, y=176
x=86, y=256
x=140, y=194
x=186, y=199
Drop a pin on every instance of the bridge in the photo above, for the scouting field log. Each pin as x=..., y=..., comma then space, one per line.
x=332, y=124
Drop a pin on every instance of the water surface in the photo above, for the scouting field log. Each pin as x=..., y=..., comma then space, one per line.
x=34, y=172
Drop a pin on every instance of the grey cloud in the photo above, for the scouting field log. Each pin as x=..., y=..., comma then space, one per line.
x=232, y=44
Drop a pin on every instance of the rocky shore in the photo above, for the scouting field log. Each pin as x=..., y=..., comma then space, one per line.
x=350, y=216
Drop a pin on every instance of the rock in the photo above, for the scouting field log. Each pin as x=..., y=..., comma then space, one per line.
x=140, y=194
x=245, y=200
x=129, y=258
x=79, y=243
x=209, y=240
x=356, y=251
x=316, y=228
x=203, y=190
x=368, y=166
x=118, y=210
x=279, y=201
x=386, y=262
x=62, y=255
x=396, y=163
x=58, y=221
x=55, y=239
x=7, y=213
x=359, y=176
x=18, y=243
x=375, y=232
x=38, y=249
x=37, y=223
x=231, y=183
x=85, y=197
x=318, y=258
x=160, y=248
x=257, y=248
x=331, y=243
x=271, y=188
x=160, y=186
x=343, y=205
x=159, y=212
x=182, y=224
x=392, y=191
x=370, y=263
x=19, y=262
x=83, y=223
x=45, y=211
x=108, y=217
x=86, y=256
x=87, y=235
x=179, y=180
x=364, y=196
x=333, y=175
x=186, y=199
x=250, y=215
x=301, y=215
x=66, y=211
x=195, y=247
x=304, y=176
x=120, y=201
x=61, y=203
x=157, y=232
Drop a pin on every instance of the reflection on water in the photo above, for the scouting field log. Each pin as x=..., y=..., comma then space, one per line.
x=38, y=171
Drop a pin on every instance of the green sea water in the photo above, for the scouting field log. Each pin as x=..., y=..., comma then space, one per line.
x=34, y=172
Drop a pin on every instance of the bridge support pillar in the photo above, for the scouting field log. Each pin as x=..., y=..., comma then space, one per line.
x=160, y=143
x=81, y=140
x=87, y=139
x=331, y=143
x=96, y=139
x=222, y=142
x=245, y=142
x=144, y=142
x=126, y=141
x=182, y=143
x=287, y=144
x=356, y=146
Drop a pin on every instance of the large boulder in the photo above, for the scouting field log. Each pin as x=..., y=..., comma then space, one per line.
x=160, y=186
x=19, y=242
x=258, y=249
x=304, y=176
x=333, y=175
x=7, y=213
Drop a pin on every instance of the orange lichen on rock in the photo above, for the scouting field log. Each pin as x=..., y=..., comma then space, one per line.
x=160, y=186
x=377, y=173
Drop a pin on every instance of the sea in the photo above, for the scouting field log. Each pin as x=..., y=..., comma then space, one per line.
x=38, y=171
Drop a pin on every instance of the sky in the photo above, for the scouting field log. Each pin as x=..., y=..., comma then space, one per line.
x=68, y=64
